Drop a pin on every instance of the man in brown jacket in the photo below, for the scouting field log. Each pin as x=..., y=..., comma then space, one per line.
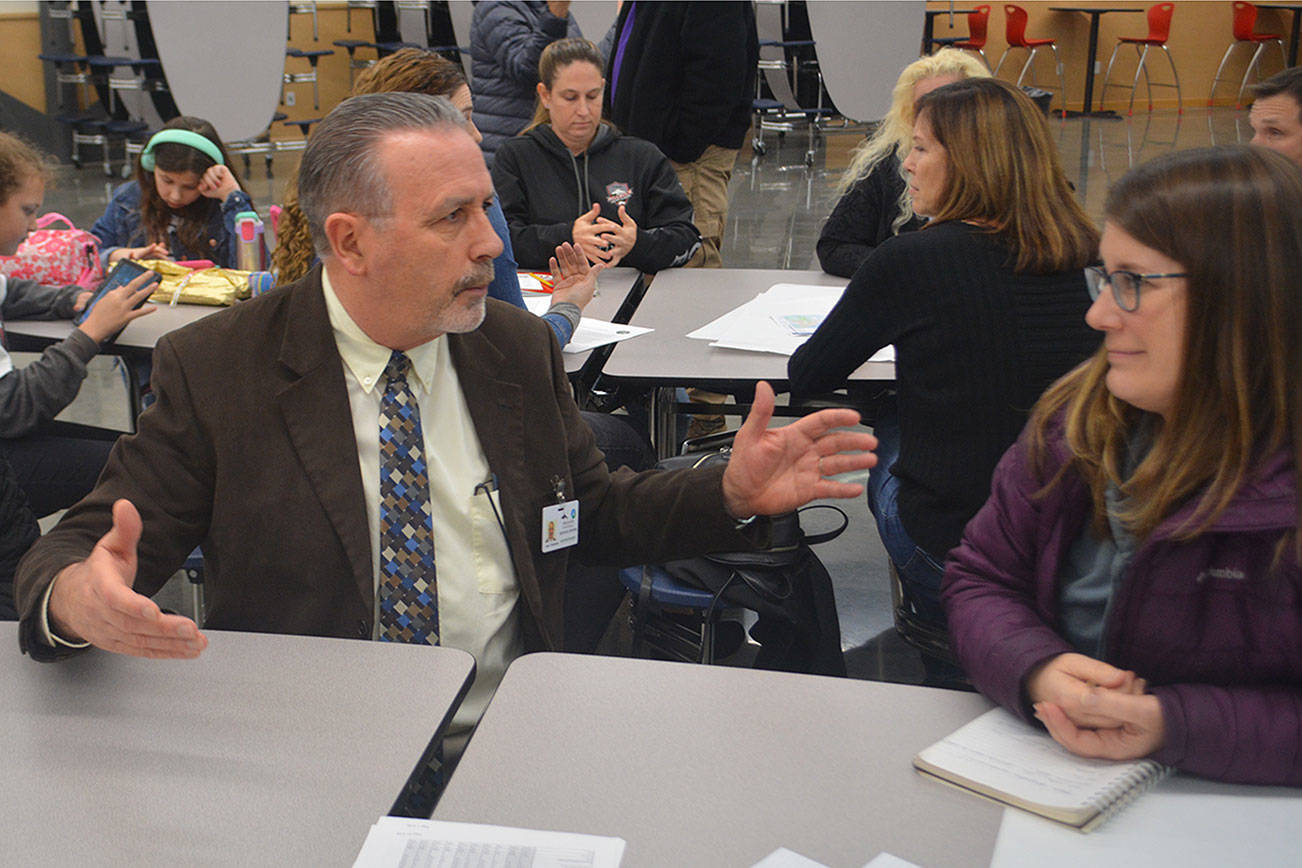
x=261, y=444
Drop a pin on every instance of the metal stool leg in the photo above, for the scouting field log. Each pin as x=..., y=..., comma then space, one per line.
x=1107, y=77
x=1252, y=64
x=1062, y=82
x=1030, y=59
x=1217, y=78
x=1000, y=64
x=1134, y=85
x=1179, y=96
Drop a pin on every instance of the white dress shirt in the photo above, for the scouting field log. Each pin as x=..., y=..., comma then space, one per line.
x=477, y=590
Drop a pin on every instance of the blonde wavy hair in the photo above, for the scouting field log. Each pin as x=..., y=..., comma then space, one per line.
x=894, y=135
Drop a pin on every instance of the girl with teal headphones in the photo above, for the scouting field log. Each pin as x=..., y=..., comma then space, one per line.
x=182, y=203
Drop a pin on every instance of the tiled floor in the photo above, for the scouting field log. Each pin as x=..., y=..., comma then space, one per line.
x=777, y=208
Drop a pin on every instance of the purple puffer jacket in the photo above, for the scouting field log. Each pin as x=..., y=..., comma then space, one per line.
x=1216, y=632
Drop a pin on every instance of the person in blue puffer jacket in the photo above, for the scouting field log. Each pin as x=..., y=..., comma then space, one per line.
x=506, y=40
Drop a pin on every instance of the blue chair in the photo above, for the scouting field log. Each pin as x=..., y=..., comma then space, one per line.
x=193, y=569
x=671, y=618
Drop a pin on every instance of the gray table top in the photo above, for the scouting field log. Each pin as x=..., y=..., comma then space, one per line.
x=680, y=301
x=267, y=750
x=707, y=765
x=140, y=335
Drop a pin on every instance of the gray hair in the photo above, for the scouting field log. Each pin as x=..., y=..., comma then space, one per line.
x=339, y=170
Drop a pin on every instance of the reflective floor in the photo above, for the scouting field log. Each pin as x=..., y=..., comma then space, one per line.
x=778, y=205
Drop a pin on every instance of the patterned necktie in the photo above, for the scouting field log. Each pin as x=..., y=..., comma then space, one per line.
x=409, y=609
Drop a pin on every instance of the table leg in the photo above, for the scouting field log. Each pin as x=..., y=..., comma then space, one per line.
x=664, y=413
x=1090, y=60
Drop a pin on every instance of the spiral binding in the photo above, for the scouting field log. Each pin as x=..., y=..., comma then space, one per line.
x=1112, y=800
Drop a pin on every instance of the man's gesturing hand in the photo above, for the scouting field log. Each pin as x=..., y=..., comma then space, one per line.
x=92, y=601
x=774, y=470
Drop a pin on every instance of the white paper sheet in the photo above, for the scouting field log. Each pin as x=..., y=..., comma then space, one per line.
x=766, y=323
x=591, y=333
x=437, y=844
x=1181, y=823
x=529, y=283
x=538, y=304
x=784, y=858
x=889, y=860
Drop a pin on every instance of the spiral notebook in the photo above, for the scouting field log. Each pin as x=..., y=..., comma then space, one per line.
x=1001, y=757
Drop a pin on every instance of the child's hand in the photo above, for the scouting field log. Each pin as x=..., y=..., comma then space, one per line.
x=118, y=307
x=149, y=251
x=218, y=183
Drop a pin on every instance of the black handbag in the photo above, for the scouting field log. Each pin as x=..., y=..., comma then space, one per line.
x=784, y=583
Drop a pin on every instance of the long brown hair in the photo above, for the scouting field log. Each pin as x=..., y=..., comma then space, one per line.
x=556, y=57
x=1232, y=217
x=407, y=70
x=18, y=162
x=893, y=135
x=155, y=215
x=1004, y=173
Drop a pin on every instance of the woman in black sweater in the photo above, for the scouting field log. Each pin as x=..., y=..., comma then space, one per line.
x=985, y=306
x=873, y=202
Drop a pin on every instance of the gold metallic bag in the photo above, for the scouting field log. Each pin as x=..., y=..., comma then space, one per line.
x=215, y=286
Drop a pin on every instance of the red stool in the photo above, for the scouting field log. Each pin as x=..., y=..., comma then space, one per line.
x=1015, y=33
x=1245, y=18
x=1159, y=30
x=978, y=23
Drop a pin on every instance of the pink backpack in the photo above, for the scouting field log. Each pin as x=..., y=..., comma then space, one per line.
x=56, y=257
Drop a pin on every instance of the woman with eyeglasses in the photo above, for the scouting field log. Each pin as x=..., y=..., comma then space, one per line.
x=985, y=307
x=1133, y=582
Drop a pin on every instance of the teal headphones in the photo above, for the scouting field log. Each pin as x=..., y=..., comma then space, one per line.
x=189, y=138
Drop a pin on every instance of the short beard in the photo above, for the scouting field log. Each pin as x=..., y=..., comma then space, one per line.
x=457, y=319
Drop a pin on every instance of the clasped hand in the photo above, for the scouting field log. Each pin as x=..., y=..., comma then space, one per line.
x=605, y=241
x=1096, y=710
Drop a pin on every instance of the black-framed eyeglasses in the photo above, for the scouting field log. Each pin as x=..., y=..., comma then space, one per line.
x=1125, y=284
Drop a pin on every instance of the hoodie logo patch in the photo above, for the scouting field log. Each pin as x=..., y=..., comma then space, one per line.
x=618, y=193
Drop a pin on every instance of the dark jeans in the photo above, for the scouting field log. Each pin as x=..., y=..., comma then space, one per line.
x=920, y=573
x=58, y=464
x=620, y=441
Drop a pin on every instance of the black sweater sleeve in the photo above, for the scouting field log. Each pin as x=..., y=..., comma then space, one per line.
x=861, y=323
x=862, y=220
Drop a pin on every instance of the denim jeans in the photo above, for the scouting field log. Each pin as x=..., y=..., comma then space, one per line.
x=919, y=572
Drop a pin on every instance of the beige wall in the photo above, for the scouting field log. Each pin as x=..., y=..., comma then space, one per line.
x=21, y=75
x=1200, y=33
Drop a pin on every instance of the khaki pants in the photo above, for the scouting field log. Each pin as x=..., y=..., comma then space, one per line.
x=705, y=180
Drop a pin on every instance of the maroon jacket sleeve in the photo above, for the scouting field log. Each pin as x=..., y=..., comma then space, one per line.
x=997, y=599
x=1250, y=734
